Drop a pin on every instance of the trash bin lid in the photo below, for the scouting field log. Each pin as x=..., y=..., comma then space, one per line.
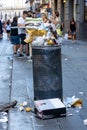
x=47, y=47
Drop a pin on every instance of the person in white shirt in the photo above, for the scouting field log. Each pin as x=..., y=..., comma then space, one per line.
x=8, y=29
x=22, y=33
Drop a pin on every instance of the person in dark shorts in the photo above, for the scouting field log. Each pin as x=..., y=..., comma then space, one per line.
x=22, y=33
x=14, y=36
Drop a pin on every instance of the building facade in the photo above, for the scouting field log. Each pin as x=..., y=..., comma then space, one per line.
x=9, y=13
x=11, y=9
x=76, y=9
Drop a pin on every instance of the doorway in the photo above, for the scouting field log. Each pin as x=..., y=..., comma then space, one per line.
x=62, y=11
x=72, y=9
x=56, y=3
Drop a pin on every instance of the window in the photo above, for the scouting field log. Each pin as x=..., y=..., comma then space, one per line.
x=85, y=13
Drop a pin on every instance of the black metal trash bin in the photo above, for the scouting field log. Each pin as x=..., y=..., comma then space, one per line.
x=47, y=72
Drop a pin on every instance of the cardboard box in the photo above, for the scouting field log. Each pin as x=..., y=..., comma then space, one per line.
x=50, y=108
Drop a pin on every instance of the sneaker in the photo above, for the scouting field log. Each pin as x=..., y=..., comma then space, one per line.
x=15, y=54
x=21, y=55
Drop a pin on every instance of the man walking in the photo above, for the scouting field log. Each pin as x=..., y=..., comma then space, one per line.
x=22, y=33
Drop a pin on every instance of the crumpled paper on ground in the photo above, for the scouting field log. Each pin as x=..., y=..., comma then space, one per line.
x=73, y=102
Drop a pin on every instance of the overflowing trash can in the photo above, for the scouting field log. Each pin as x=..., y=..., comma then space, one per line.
x=47, y=72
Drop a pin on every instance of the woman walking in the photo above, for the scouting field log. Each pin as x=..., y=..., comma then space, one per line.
x=8, y=29
x=72, y=29
x=14, y=36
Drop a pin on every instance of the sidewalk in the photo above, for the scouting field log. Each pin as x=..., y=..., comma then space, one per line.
x=74, y=69
x=5, y=76
x=74, y=73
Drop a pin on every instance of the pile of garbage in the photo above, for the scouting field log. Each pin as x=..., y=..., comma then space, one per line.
x=44, y=35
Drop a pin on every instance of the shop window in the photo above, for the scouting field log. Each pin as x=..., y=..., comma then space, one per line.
x=85, y=13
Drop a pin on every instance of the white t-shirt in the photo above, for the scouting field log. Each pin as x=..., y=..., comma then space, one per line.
x=21, y=30
x=8, y=27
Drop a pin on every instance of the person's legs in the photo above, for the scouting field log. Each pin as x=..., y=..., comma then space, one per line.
x=15, y=41
x=27, y=49
x=74, y=37
x=8, y=34
x=17, y=46
x=21, y=45
x=21, y=48
x=14, y=49
x=22, y=37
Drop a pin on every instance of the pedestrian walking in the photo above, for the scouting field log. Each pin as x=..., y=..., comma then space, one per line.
x=72, y=29
x=1, y=30
x=8, y=29
x=14, y=36
x=22, y=33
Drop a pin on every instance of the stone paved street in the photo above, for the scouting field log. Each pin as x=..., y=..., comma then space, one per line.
x=16, y=83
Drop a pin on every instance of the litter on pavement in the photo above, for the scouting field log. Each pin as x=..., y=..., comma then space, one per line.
x=10, y=58
x=28, y=109
x=65, y=59
x=24, y=106
x=85, y=122
x=4, y=119
x=81, y=93
x=73, y=102
x=70, y=114
x=5, y=77
x=10, y=67
x=21, y=108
